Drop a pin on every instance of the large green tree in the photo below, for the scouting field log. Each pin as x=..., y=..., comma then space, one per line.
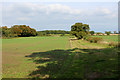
x=80, y=30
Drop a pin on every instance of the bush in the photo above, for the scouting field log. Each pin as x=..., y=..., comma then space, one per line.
x=99, y=33
x=62, y=34
x=90, y=39
x=92, y=32
x=118, y=45
x=108, y=32
x=112, y=44
x=94, y=39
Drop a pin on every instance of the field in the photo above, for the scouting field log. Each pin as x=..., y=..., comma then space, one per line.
x=58, y=57
x=109, y=38
x=15, y=64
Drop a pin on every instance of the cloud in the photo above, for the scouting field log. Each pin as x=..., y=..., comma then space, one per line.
x=24, y=18
x=62, y=9
x=48, y=9
x=101, y=12
x=48, y=15
x=31, y=9
x=105, y=12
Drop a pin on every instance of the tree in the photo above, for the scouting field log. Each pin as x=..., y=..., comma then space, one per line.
x=47, y=32
x=18, y=30
x=80, y=30
x=92, y=32
x=5, y=31
x=108, y=32
x=62, y=34
x=99, y=33
x=23, y=31
x=119, y=32
x=115, y=32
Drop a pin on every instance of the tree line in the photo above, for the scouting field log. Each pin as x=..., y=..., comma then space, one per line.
x=26, y=31
x=106, y=32
x=18, y=31
x=81, y=31
x=49, y=32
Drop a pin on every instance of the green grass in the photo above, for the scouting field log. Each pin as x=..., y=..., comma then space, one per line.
x=99, y=60
x=109, y=38
x=57, y=57
x=15, y=64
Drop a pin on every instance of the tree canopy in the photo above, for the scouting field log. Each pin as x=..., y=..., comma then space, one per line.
x=18, y=31
x=108, y=32
x=92, y=32
x=48, y=32
x=80, y=30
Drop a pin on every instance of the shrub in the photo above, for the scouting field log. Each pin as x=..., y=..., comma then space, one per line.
x=112, y=44
x=108, y=32
x=97, y=39
x=92, y=32
x=99, y=33
x=90, y=39
x=118, y=45
x=62, y=34
x=94, y=39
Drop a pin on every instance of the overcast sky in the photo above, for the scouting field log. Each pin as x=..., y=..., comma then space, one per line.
x=101, y=16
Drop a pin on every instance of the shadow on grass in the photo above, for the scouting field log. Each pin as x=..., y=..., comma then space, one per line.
x=75, y=63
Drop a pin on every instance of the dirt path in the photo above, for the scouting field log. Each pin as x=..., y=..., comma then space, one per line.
x=82, y=44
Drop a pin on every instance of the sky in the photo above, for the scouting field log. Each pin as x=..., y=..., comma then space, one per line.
x=101, y=16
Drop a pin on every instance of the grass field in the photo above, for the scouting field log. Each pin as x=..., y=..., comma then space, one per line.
x=15, y=64
x=57, y=57
x=109, y=38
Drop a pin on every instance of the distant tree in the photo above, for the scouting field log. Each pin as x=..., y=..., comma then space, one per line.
x=23, y=30
x=62, y=34
x=108, y=32
x=0, y=31
x=80, y=30
x=18, y=30
x=47, y=32
x=99, y=33
x=92, y=32
x=41, y=33
x=119, y=32
x=115, y=32
x=4, y=31
x=33, y=32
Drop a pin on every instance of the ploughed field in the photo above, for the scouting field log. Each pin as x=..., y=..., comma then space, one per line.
x=57, y=57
